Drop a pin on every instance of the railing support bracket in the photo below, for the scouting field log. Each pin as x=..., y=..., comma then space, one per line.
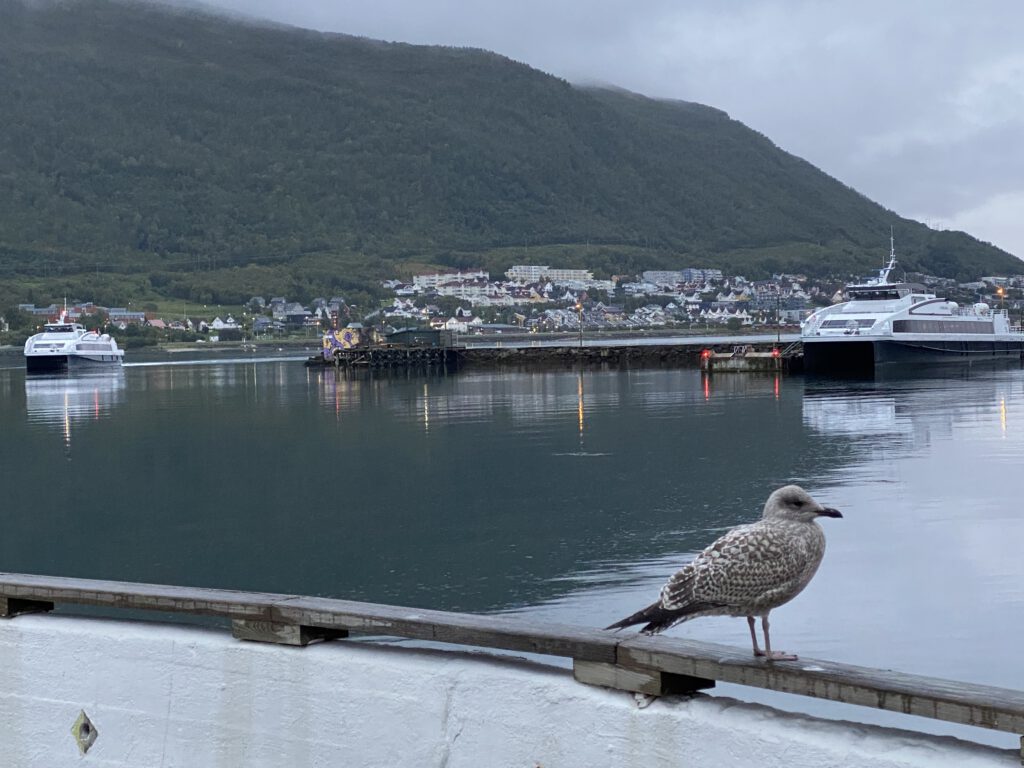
x=637, y=679
x=13, y=606
x=283, y=634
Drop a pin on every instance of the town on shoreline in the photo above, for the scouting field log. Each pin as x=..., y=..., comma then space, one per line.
x=531, y=299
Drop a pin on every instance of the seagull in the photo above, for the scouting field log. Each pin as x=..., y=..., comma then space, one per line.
x=747, y=572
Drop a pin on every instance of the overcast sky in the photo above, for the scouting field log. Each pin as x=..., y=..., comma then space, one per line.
x=917, y=104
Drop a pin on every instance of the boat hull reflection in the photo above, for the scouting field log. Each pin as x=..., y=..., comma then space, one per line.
x=64, y=401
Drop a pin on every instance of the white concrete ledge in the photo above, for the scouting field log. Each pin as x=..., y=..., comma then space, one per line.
x=165, y=696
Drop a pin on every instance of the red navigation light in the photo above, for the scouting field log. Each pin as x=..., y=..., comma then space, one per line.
x=705, y=354
x=776, y=353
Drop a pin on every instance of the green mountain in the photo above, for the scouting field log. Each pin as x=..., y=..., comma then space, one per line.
x=150, y=150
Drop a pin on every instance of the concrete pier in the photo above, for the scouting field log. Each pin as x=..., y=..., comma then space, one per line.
x=154, y=695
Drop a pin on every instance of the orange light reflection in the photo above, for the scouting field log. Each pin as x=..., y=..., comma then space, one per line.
x=579, y=404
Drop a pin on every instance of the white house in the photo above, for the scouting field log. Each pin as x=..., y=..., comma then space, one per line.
x=219, y=324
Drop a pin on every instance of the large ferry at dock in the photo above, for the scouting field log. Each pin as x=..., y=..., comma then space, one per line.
x=884, y=323
x=64, y=345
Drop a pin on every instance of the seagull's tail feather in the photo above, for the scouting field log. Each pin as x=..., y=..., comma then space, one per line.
x=639, y=617
x=657, y=618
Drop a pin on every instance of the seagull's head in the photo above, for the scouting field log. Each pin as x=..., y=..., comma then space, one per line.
x=792, y=502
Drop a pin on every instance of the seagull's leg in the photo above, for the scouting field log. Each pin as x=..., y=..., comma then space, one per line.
x=753, y=636
x=773, y=655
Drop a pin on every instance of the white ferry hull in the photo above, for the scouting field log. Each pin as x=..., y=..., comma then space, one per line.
x=860, y=354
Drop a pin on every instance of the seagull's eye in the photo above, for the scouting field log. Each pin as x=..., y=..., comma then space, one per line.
x=798, y=503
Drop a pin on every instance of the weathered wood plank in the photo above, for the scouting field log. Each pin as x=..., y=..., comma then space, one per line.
x=152, y=597
x=459, y=628
x=984, y=706
x=636, y=679
x=283, y=634
x=513, y=634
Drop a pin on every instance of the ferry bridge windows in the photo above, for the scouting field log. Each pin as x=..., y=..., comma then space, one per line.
x=942, y=326
x=875, y=294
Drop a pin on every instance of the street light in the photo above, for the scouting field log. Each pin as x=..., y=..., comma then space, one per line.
x=579, y=309
x=778, y=318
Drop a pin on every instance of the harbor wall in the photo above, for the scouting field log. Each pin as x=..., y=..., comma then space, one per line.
x=663, y=354
x=652, y=355
x=159, y=695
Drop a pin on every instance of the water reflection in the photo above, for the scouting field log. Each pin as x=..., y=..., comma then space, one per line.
x=579, y=404
x=466, y=398
x=61, y=402
x=911, y=412
x=734, y=384
x=525, y=397
x=868, y=415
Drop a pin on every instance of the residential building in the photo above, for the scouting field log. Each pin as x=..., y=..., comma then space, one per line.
x=431, y=282
x=530, y=273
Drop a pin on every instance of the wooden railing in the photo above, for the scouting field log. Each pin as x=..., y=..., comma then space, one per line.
x=653, y=665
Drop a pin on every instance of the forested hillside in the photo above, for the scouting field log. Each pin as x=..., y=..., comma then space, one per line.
x=149, y=150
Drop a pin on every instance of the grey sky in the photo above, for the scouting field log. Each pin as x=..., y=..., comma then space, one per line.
x=917, y=104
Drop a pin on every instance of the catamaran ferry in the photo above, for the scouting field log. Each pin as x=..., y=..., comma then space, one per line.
x=884, y=323
x=65, y=345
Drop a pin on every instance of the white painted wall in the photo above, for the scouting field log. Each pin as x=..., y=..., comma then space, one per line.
x=164, y=696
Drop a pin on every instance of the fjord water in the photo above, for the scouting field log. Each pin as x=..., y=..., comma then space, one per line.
x=565, y=495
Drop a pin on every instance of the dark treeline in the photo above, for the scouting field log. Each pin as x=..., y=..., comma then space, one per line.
x=193, y=156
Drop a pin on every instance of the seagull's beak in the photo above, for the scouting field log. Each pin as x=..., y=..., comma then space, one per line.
x=829, y=512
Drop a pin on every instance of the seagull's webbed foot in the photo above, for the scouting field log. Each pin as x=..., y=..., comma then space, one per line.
x=776, y=655
x=779, y=656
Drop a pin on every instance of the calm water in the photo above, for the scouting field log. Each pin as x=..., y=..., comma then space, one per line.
x=564, y=495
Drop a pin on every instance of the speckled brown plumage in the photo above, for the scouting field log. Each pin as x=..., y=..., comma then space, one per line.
x=748, y=571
